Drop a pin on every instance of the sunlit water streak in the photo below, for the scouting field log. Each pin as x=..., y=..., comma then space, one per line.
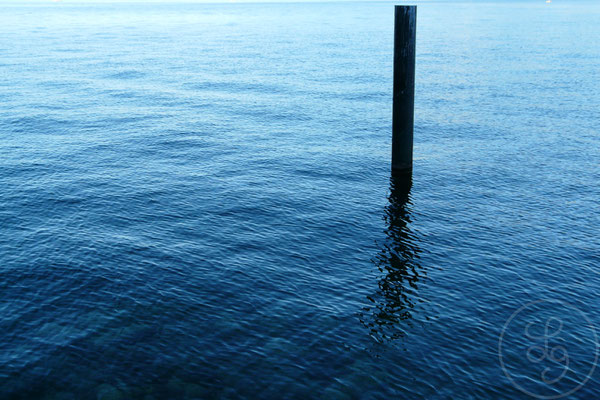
x=195, y=199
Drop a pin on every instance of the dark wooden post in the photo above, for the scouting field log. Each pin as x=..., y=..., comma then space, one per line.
x=404, y=89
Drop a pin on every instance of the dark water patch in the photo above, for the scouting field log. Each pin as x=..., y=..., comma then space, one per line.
x=54, y=107
x=103, y=35
x=266, y=113
x=126, y=75
x=123, y=94
x=334, y=173
x=201, y=105
x=370, y=96
x=70, y=50
x=61, y=84
x=182, y=144
x=116, y=122
x=37, y=125
x=236, y=87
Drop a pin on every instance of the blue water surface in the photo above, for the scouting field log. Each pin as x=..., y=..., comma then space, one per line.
x=195, y=202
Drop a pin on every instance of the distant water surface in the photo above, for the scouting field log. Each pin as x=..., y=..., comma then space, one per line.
x=195, y=202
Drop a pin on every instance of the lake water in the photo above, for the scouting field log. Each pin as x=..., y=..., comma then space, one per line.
x=195, y=202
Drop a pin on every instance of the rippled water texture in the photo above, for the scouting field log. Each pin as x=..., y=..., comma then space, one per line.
x=195, y=202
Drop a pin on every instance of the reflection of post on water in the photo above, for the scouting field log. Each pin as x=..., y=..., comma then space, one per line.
x=392, y=304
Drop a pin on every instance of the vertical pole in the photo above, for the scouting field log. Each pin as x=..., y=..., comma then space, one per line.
x=404, y=89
